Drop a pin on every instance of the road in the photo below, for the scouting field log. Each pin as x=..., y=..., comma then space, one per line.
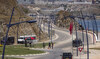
x=63, y=44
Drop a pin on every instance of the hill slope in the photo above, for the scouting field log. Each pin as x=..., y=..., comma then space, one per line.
x=6, y=7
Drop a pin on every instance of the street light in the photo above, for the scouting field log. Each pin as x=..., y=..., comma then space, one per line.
x=86, y=34
x=8, y=26
x=51, y=17
x=49, y=29
x=82, y=34
x=7, y=34
x=95, y=24
x=73, y=17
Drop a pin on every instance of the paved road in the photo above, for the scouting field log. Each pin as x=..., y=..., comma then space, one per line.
x=58, y=49
x=63, y=47
x=63, y=41
x=63, y=44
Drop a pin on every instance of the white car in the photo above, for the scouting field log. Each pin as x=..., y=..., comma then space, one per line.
x=21, y=39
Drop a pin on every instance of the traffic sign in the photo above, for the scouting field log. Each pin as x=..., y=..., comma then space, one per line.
x=80, y=49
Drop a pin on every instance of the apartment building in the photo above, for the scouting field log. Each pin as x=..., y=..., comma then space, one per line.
x=25, y=1
x=53, y=1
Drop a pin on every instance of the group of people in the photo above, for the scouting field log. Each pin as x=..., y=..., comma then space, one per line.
x=50, y=45
x=26, y=43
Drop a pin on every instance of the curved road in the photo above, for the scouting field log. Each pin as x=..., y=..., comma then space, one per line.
x=63, y=44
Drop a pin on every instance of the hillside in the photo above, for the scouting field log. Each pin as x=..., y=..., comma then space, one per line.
x=6, y=7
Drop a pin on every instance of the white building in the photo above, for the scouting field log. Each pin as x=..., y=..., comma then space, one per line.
x=25, y=1
x=44, y=2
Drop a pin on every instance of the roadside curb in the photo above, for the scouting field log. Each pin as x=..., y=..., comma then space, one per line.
x=27, y=55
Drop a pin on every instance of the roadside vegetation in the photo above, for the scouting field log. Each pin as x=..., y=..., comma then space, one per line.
x=11, y=58
x=20, y=50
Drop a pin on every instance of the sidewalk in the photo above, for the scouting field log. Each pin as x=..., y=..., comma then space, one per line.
x=94, y=54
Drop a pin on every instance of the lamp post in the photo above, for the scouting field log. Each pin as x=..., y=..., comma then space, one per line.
x=9, y=25
x=86, y=36
x=49, y=29
x=82, y=35
x=51, y=17
x=76, y=37
x=7, y=34
x=76, y=33
x=93, y=29
x=95, y=24
x=39, y=29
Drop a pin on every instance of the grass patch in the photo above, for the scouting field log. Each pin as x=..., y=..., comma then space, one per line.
x=40, y=45
x=19, y=50
x=11, y=58
x=95, y=48
x=22, y=50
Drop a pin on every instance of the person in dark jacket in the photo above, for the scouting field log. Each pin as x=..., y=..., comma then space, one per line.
x=43, y=45
x=52, y=45
x=49, y=45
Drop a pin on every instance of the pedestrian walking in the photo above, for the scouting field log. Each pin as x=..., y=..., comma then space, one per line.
x=30, y=44
x=52, y=45
x=49, y=45
x=43, y=45
x=25, y=43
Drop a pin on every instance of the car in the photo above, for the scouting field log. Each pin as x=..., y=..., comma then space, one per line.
x=77, y=43
x=21, y=39
x=67, y=55
x=10, y=40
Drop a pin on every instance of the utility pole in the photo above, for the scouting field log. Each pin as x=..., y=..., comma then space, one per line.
x=76, y=36
x=76, y=33
x=82, y=32
x=86, y=37
x=39, y=29
x=4, y=46
x=49, y=29
x=92, y=21
x=95, y=25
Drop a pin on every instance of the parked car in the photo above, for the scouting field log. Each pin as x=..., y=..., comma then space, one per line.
x=10, y=40
x=21, y=39
x=77, y=43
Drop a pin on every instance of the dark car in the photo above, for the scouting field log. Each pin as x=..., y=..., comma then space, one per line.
x=10, y=40
x=67, y=55
x=77, y=43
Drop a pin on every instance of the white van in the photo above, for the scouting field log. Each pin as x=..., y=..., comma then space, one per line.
x=21, y=39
